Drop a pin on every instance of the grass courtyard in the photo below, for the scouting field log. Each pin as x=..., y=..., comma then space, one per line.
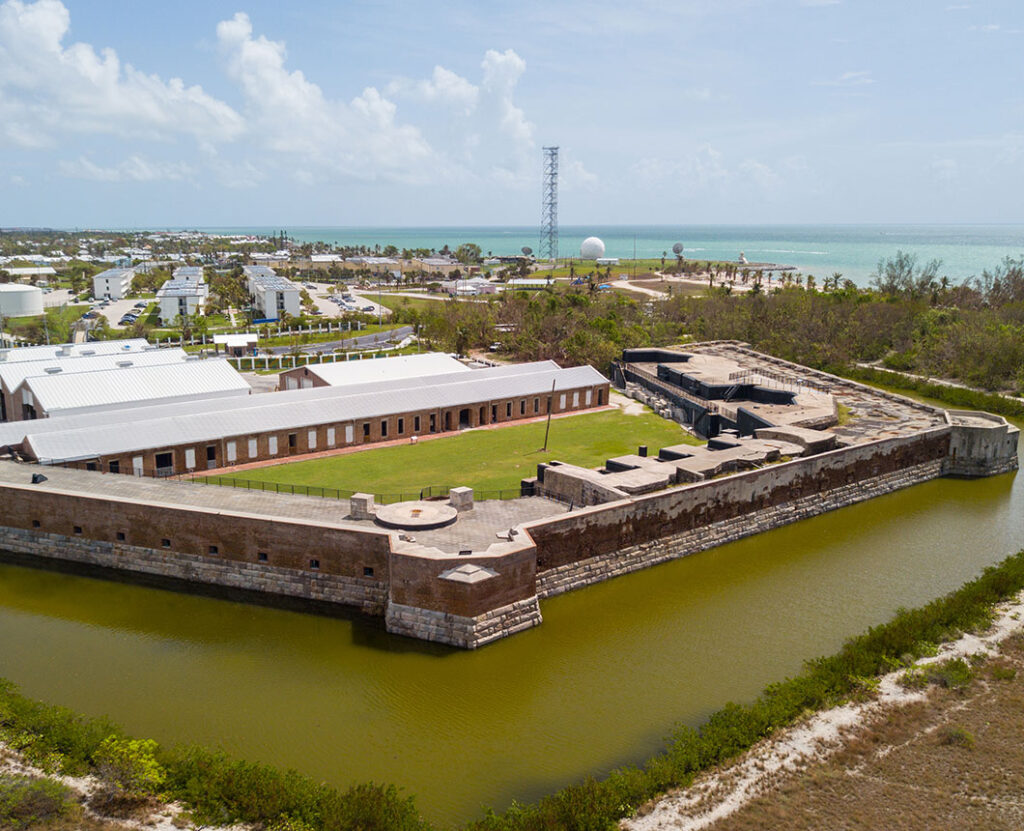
x=486, y=460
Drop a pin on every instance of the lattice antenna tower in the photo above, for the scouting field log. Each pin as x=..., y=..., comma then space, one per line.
x=549, y=206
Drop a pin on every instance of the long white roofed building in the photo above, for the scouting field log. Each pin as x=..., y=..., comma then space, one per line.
x=203, y=434
x=127, y=386
x=346, y=373
x=13, y=374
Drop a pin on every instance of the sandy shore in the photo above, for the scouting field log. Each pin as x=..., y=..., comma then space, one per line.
x=760, y=772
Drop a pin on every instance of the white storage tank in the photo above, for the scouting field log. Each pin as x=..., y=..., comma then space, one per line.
x=17, y=300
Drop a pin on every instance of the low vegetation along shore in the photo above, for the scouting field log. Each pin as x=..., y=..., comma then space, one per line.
x=158, y=786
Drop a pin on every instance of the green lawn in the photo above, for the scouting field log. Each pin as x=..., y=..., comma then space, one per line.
x=482, y=459
x=391, y=301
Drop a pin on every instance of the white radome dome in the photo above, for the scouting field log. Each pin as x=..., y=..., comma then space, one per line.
x=592, y=249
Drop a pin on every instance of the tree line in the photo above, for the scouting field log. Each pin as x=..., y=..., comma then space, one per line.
x=907, y=319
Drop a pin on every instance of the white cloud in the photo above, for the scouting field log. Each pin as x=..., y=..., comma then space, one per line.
x=859, y=78
x=487, y=136
x=573, y=175
x=290, y=114
x=133, y=169
x=47, y=88
x=707, y=171
x=444, y=87
x=697, y=94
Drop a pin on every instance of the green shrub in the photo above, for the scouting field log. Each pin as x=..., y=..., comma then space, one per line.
x=52, y=737
x=129, y=766
x=26, y=801
x=952, y=674
x=955, y=735
x=1003, y=672
x=913, y=679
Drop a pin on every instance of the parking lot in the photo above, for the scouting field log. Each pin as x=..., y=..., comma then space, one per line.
x=322, y=293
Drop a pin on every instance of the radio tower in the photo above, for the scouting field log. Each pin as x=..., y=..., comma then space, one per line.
x=549, y=207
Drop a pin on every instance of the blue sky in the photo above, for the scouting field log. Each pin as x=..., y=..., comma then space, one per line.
x=121, y=113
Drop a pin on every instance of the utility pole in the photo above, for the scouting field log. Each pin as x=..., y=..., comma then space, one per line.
x=551, y=404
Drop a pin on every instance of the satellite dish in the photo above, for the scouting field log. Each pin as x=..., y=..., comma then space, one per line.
x=677, y=249
x=527, y=251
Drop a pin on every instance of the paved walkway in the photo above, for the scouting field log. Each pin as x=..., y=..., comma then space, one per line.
x=475, y=530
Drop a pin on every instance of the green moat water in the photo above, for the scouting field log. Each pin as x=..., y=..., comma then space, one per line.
x=600, y=683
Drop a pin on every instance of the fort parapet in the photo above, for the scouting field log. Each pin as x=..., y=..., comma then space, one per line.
x=481, y=576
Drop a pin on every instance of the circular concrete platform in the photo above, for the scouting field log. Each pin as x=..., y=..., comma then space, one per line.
x=416, y=516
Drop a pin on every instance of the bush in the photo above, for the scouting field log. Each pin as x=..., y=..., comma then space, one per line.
x=53, y=737
x=957, y=736
x=26, y=801
x=130, y=767
x=952, y=674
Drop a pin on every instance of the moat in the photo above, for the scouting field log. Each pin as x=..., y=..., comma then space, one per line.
x=599, y=684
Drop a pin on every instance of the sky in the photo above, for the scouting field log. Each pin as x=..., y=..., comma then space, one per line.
x=122, y=113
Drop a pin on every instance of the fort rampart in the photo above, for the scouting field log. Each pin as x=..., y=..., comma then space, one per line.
x=164, y=531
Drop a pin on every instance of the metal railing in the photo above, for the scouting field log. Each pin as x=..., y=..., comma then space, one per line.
x=779, y=380
x=650, y=380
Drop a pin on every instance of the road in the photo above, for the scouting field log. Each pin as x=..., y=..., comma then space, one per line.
x=359, y=342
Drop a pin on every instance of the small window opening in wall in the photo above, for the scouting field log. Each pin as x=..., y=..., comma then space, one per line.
x=35, y=523
x=166, y=543
x=367, y=571
x=314, y=564
x=366, y=429
x=90, y=465
x=213, y=549
x=291, y=439
x=401, y=426
x=78, y=529
x=262, y=556
x=120, y=536
x=384, y=429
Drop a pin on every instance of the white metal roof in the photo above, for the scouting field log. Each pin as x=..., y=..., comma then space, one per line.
x=236, y=340
x=302, y=408
x=31, y=271
x=70, y=350
x=14, y=432
x=135, y=385
x=344, y=373
x=11, y=375
x=266, y=278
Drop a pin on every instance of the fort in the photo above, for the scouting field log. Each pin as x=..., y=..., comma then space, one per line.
x=784, y=443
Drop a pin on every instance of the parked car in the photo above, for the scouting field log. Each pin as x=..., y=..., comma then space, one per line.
x=367, y=308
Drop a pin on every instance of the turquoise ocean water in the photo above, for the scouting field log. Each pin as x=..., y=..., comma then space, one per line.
x=853, y=250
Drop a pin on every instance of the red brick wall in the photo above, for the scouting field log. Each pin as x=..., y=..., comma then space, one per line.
x=238, y=538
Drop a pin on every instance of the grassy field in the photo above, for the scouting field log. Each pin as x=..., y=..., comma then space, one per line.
x=481, y=459
x=392, y=301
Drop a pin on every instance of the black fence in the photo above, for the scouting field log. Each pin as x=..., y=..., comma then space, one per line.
x=427, y=493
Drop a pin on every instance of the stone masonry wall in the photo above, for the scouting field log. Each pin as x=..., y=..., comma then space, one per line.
x=461, y=631
x=619, y=526
x=605, y=566
x=363, y=593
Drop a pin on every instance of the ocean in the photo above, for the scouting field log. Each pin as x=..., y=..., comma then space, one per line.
x=852, y=250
